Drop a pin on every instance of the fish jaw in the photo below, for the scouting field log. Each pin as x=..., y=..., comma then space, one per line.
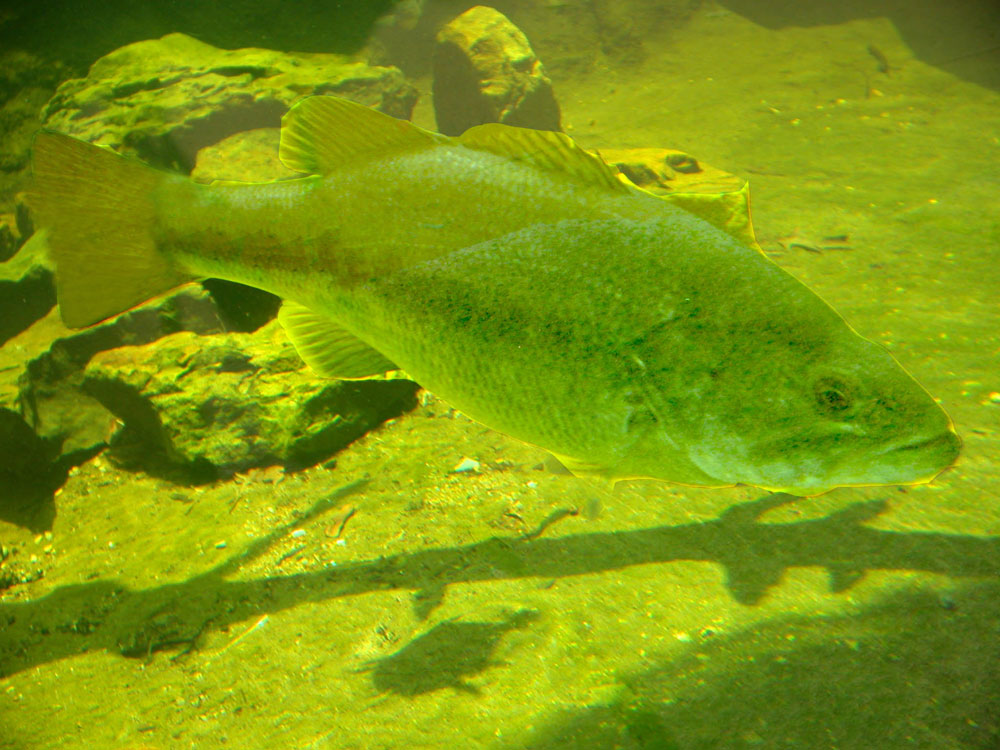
x=921, y=459
x=910, y=460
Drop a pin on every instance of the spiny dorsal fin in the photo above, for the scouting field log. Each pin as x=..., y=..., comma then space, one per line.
x=555, y=152
x=321, y=133
x=729, y=212
x=331, y=351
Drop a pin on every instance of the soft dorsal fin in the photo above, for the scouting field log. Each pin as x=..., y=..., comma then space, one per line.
x=730, y=211
x=322, y=133
x=555, y=152
x=330, y=350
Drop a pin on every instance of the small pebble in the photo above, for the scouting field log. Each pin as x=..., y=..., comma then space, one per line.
x=466, y=465
x=299, y=533
x=994, y=397
x=220, y=545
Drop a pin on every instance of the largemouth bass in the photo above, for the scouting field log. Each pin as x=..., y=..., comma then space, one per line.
x=518, y=278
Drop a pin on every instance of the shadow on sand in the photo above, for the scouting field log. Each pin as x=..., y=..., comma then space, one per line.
x=104, y=614
x=916, y=671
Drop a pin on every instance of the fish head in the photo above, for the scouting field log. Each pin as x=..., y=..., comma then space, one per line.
x=841, y=414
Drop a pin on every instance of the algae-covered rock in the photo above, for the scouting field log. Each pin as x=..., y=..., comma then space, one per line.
x=26, y=83
x=214, y=405
x=47, y=423
x=22, y=218
x=486, y=71
x=24, y=453
x=164, y=99
x=10, y=237
x=44, y=367
x=27, y=289
x=248, y=156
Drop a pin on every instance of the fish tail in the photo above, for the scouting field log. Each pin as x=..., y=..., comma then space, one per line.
x=97, y=209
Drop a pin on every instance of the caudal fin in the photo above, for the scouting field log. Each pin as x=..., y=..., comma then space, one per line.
x=97, y=208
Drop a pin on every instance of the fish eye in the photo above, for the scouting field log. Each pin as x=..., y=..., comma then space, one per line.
x=832, y=396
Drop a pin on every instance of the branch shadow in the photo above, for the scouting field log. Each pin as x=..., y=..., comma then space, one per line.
x=136, y=623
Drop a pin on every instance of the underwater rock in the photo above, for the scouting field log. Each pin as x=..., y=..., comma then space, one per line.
x=24, y=454
x=486, y=71
x=10, y=237
x=208, y=407
x=22, y=218
x=404, y=35
x=26, y=83
x=164, y=99
x=248, y=156
x=663, y=170
x=41, y=370
x=27, y=287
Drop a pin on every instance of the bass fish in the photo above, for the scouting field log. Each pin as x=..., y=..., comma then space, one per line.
x=517, y=277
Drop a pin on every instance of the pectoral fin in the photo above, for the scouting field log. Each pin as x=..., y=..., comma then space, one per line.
x=330, y=350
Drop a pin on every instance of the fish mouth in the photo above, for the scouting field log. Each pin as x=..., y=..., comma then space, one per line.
x=915, y=460
x=946, y=442
x=926, y=455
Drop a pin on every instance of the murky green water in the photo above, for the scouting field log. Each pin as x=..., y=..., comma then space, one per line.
x=385, y=600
